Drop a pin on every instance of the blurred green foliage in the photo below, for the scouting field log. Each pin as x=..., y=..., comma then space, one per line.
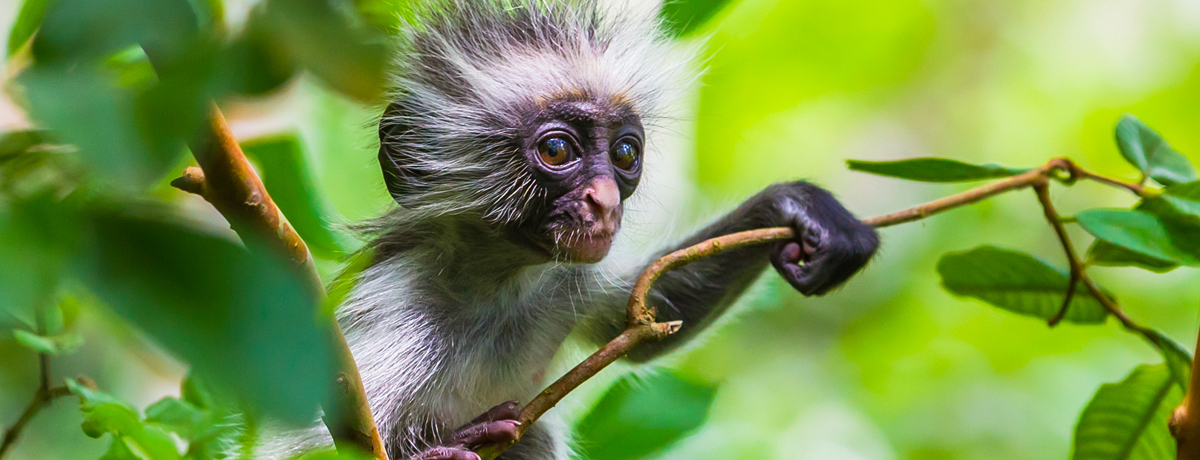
x=890, y=367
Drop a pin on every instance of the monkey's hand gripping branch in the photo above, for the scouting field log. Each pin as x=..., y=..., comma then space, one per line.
x=640, y=318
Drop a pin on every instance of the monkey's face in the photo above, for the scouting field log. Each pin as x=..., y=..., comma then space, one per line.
x=587, y=156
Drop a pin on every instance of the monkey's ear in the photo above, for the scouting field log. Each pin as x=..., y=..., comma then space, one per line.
x=400, y=181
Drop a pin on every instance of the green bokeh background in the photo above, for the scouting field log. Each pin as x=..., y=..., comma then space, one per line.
x=891, y=366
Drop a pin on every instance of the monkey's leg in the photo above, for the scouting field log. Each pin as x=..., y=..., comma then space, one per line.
x=497, y=425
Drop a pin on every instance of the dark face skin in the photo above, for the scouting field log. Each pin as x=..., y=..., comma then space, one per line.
x=588, y=157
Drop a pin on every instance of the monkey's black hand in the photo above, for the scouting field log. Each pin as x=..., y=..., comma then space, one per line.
x=496, y=426
x=830, y=245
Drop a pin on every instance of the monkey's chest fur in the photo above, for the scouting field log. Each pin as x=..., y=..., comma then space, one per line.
x=432, y=359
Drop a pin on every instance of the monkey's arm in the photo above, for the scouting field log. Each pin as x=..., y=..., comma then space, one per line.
x=832, y=245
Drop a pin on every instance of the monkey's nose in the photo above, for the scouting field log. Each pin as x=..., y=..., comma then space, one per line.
x=603, y=197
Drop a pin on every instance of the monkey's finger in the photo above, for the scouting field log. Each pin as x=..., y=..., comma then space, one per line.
x=446, y=453
x=504, y=411
x=497, y=432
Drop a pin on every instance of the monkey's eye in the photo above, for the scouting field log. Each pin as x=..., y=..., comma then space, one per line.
x=554, y=151
x=625, y=155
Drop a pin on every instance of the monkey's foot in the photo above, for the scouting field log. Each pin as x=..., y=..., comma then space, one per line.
x=496, y=426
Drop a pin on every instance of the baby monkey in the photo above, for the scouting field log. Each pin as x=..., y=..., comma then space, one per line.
x=516, y=132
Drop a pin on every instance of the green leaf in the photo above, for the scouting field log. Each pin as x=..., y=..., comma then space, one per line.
x=639, y=416
x=246, y=320
x=27, y=23
x=1017, y=282
x=1128, y=420
x=121, y=449
x=682, y=17
x=87, y=110
x=179, y=417
x=1107, y=254
x=288, y=178
x=1173, y=209
x=1149, y=152
x=339, y=289
x=1134, y=230
x=1177, y=360
x=933, y=170
x=15, y=143
x=335, y=44
x=53, y=345
x=36, y=236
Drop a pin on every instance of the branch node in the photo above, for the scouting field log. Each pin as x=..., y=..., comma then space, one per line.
x=192, y=181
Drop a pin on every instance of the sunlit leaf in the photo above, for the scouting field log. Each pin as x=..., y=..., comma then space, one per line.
x=683, y=17
x=933, y=170
x=1149, y=152
x=1107, y=254
x=246, y=320
x=27, y=23
x=287, y=176
x=639, y=416
x=1128, y=420
x=1177, y=360
x=1137, y=231
x=1017, y=282
x=52, y=345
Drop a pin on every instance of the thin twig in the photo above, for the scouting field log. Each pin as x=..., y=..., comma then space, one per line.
x=1043, y=193
x=41, y=397
x=639, y=316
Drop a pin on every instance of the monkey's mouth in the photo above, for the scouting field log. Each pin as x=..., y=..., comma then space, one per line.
x=583, y=246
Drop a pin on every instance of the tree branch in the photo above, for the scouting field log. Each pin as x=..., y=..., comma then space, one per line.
x=227, y=181
x=640, y=318
x=41, y=397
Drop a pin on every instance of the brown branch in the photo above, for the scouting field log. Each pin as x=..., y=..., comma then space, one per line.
x=1184, y=427
x=640, y=318
x=41, y=398
x=227, y=181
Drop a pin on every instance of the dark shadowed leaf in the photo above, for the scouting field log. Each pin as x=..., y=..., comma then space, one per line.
x=287, y=176
x=1175, y=208
x=639, y=416
x=1137, y=231
x=1128, y=420
x=245, y=320
x=27, y=23
x=77, y=31
x=88, y=110
x=1183, y=201
x=36, y=235
x=333, y=43
x=1149, y=152
x=1177, y=360
x=15, y=143
x=1107, y=254
x=1017, y=282
x=685, y=16
x=933, y=170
